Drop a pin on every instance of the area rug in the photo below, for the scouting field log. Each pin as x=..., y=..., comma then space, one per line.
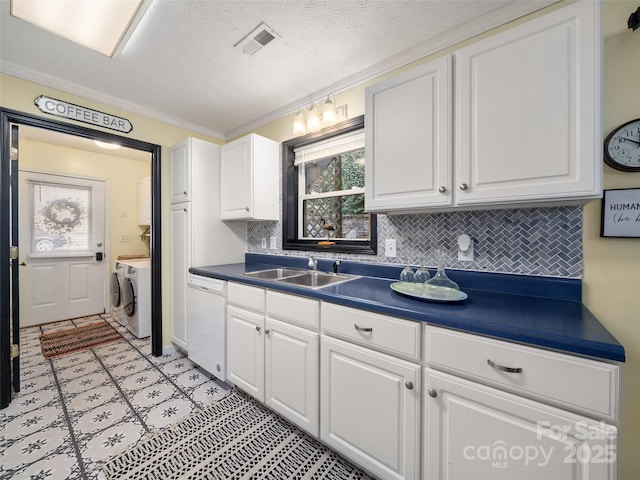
x=77, y=339
x=235, y=438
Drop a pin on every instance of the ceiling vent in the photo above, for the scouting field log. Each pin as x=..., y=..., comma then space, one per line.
x=261, y=36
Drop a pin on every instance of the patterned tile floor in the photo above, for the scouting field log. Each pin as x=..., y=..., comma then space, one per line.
x=75, y=411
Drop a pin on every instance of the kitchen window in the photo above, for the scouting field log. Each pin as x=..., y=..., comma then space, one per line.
x=323, y=192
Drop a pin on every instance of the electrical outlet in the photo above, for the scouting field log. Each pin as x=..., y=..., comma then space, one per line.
x=125, y=239
x=263, y=242
x=465, y=248
x=390, y=247
x=272, y=243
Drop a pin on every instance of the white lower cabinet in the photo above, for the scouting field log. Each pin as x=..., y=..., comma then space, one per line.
x=291, y=373
x=370, y=408
x=473, y=431
x=271, y=359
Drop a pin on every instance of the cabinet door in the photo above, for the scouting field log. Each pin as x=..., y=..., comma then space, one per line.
x=144, y=201
x=409, y=139
x=292, y=359
x=370, y=408
x=474, y=431
x=180, y=264
x=236, y=200
x=528, y=106
x=180, y=178
x=245, y=351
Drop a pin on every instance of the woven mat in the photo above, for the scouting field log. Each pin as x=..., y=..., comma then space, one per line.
x=77, y=339
x=235, y=438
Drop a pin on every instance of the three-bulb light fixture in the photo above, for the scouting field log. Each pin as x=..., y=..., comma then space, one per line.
x=316, y=117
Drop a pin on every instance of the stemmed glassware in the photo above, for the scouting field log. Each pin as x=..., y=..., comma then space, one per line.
x=422, y=274
x=407, y=275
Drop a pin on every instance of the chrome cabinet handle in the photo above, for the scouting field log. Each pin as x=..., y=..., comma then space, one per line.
x=246, y=208
x=502, y=368
x=463, y=186
x=267, y=331
x=442, y=189
x=409, y=385
x=184, y=193
x=432, y=393
x=362, y=329
x=257, y=328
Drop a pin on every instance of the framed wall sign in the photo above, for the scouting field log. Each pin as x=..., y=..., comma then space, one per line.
x=621, y=213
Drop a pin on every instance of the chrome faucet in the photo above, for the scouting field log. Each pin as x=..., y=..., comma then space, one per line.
x=313, y=263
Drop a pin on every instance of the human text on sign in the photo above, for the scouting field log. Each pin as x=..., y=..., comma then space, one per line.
x=82, y=114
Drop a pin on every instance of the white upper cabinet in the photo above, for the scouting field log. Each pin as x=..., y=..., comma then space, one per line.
x=408, y=139
x=528, y=105
x=144, y=201
x=180, y=178
x=249, y=179
x=527, y=129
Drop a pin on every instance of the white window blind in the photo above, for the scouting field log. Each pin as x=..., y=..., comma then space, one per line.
x=316, y=151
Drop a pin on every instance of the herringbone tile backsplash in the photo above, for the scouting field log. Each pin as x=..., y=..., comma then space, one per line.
x=534, y=241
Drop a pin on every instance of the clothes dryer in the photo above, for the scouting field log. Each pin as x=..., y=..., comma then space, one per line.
x=136, y=297
x=117, y=279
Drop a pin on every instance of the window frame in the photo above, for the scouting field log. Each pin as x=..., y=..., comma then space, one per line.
x=290, y=198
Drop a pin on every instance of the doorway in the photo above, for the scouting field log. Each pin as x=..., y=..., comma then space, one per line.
x=11, y=121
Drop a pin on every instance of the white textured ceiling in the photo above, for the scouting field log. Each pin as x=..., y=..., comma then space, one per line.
x=180, y=65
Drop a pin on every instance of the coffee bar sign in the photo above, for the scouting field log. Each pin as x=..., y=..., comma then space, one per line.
x=82, y=114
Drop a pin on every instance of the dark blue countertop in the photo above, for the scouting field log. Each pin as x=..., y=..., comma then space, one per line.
x=538, y=311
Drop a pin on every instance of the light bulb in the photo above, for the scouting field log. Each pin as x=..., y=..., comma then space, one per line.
x=314, y=123
x=299, y=125
x=328, y=113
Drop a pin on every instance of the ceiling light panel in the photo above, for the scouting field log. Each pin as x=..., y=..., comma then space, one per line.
x=97, y=24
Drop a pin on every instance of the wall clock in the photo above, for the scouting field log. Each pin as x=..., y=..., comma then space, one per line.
x=622, y=147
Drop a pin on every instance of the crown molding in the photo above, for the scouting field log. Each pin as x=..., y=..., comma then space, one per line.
x=40, y=78
x=514, y=10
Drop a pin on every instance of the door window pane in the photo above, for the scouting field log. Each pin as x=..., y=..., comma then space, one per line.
x=60, y=218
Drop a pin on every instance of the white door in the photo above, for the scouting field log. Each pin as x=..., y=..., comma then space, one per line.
x=235, y=173
x=180, y=263
x=370, y=408
x=245, y=351
x=62, y=235
x=292, y=373
x=409, y=139
x=474, y=431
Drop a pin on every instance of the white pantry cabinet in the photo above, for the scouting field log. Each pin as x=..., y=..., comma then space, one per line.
x=144, y=201
x=249, y=179
x=198, y=236
x=527, y=128
x=180, y=263
x=475, y=431
x=408, y=124
x=272, y=358
x=370, y=408
x=528, y=108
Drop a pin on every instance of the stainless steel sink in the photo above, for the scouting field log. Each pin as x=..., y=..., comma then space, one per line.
x=275, y=273
x=315, y=279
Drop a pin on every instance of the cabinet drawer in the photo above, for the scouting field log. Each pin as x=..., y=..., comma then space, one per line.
x=294, y=309
x=393, y=335
x=246, y=296
x=574, y=383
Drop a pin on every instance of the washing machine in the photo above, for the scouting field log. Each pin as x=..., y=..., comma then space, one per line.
x=136, y=297
x=117, y=279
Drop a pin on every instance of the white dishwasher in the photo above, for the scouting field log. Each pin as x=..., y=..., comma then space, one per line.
x=206, y=324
